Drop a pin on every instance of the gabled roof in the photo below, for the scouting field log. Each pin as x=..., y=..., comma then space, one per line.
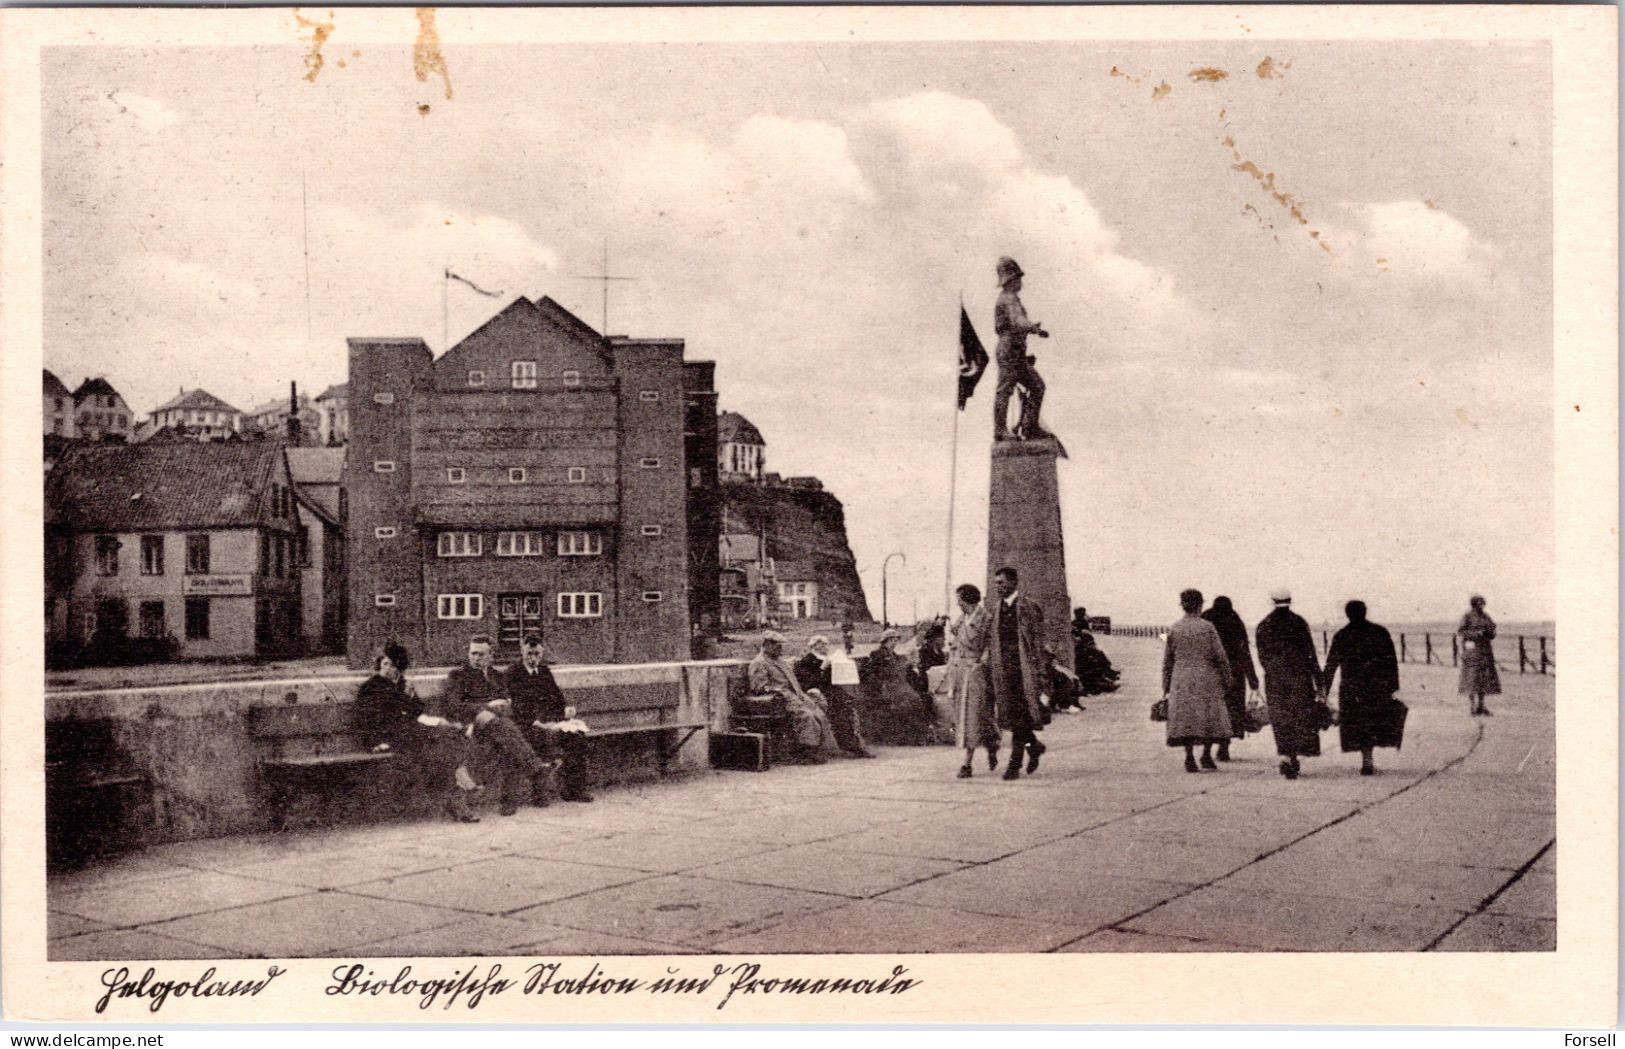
x=339, y=390
x=98, y=386
x=315, y=507
x=731, y=426
x=53, y=385
x=316, y=465
x=200, y=400
x=105, y=487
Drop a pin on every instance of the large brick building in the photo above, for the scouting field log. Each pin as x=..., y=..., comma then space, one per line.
x=535, y=477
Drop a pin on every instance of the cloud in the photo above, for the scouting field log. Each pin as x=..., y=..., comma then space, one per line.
x=1415, y=238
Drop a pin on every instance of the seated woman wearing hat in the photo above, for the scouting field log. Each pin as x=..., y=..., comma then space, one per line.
x=893, y=710
x=389, y=716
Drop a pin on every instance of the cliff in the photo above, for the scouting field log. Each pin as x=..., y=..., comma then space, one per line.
x=804, y=526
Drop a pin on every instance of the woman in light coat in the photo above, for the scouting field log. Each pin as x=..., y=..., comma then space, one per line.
x=969, y=695
x=1195, y=677
x=1479, y=676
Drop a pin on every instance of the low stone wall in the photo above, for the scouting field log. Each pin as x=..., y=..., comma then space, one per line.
x=192, y=745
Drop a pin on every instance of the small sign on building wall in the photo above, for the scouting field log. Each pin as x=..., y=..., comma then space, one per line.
x=218, y=585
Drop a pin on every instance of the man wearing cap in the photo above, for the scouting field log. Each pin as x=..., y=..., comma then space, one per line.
x=1286, y=651
x=1015, y=367
x=770, y=675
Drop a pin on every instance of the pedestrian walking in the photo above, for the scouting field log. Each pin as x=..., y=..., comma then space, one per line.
x=974, y=722
x=1195, y=678
x=1286, y=651
x=1367, y=709
x=1016, y=667
x=1239, y=651
x=1479, y=675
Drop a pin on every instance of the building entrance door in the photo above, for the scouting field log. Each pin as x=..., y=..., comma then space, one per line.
x=517, y=615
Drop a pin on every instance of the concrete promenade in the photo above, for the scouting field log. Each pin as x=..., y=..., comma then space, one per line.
x=1112, y=846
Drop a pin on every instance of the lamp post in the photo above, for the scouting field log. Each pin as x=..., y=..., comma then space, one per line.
x=884, y=618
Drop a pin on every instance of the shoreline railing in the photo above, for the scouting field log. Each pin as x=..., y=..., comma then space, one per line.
x=1535, y=653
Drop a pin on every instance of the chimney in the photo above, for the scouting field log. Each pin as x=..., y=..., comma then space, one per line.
x=293, y=413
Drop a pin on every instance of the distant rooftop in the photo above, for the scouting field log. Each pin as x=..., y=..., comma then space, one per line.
x=735, y=428
x=198, y=400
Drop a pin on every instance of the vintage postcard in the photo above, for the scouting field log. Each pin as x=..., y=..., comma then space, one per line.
x=850, y=514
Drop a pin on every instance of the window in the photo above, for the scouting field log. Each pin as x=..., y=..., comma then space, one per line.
x=580, y=544
x=265, y=553
x=56, y=427
x=652, y=596
x=516, y=475
x=572, y=377
x=461, y=606
x=383, y=398
x=197, y=553
x=383, y=533
x=152, y=555
x=152, y=619
x=197, y=619
x=107, y=555
x=280, y=546
x=649, y=396
x=459, y=544
x=119, y=421
x=383, y=466
x=577, y=475
x=384, y=600
x=476, y=378
x=59, y=404
x=649, y=463
x=519, y=544
x=581, y=606
x=276, y=500
x=304, y=545
x=652, y=530
x=696, y=478
x=524, y=375
x=455, y=475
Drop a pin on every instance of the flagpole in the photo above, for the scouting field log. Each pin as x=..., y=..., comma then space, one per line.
x=953, y=482
x=445, y=308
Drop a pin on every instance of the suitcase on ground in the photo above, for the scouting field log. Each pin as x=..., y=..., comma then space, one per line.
x=746, y=751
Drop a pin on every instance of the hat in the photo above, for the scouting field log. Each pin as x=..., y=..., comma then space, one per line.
x=772, y=635
x=816, y=640
x=894, y=635
x=1281, y=595
x=1007, y=268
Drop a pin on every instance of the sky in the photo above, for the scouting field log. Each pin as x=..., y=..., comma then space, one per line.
x=1301, y=312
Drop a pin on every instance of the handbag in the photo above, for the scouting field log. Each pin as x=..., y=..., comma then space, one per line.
x=1257, y=717
x=1322, y=717
x=1159, y=710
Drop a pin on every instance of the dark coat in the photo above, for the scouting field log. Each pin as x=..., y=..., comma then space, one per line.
x=386, y=713
x=536, y=697
x=1364, y=652
x=1238, y=651
x=1286, y=650
x=467, y=690
x=1026, y=656
x=812, y=672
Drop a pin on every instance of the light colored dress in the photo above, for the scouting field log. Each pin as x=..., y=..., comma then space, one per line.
x=1195, y=675
x=1479, y=674
x=968, y=691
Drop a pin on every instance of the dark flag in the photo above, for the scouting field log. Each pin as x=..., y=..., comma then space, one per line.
x=972, y=359
x=459, y=278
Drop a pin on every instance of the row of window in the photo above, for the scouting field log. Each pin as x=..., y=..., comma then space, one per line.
x=281, y=500
x=525, y=375
x=519, y=544
x=516, y=474
x=578, y=605
x=279, y=554
x=111, y=618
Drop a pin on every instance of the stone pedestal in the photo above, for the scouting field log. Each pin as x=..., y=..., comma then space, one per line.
x=1024, y=532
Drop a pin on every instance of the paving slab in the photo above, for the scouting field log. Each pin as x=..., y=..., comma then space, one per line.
x=309, y=926
x=563, y=943
x=1501, y=932
x=1415, y=835
x=1384, y=878
x=818, y=868
x=1101, y=852
x=497, y=886
x=1290, y=922
x=679, y=909
x=952, y=838
x=1119, y=941
x=143, y=902
x=661, y=853
x=464, y=937
x=1014, y=889
x=58, y=925
x=1531, y=896
x=120, y=870
x=129, y=945
x=877, y=927
x=804, y=821
x=330, y=870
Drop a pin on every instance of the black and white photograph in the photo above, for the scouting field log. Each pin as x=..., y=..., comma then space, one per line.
x=769, y=496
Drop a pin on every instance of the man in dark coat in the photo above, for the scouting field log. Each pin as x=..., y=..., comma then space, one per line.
x=1016, y=667
x=498, y=753
x=386, y=718
x=1364, y=652
x=1286, y=650
x=1237, y=649
x=538, y=708
x=815, y=674
x=1094, y=669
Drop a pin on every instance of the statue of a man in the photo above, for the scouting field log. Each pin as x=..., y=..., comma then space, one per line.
x=1015, y=367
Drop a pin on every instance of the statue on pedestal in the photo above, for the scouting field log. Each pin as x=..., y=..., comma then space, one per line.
x=1015, y=366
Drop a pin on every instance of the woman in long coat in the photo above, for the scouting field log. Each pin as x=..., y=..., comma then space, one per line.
x=1365, y=653
x=1239, y=651
x=1195, y=677
x=1479, y=676
x=968, y=691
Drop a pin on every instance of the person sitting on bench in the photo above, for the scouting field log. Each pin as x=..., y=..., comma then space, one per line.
x=498, y=751
x=770, y=675
x=549, y=723
x=389, y=716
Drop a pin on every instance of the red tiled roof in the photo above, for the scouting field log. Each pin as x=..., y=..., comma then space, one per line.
x=104, y=487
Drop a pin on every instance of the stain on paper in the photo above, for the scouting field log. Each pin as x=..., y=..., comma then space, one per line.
x=1209, y=74
x=1131, y=78
x=423, y=109
x=319, y=32
x=1269, y=69
x=1266, y=182
x=1160, y=92
x=426, y=55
